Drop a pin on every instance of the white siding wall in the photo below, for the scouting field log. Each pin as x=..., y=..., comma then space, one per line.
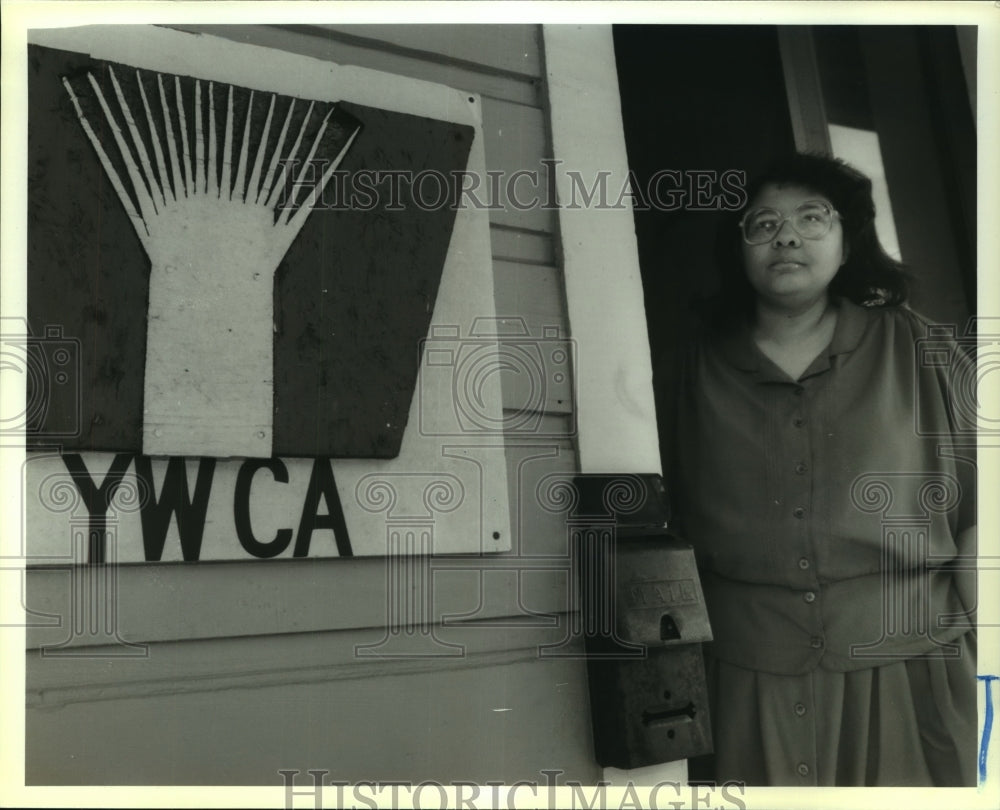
x=251, y=667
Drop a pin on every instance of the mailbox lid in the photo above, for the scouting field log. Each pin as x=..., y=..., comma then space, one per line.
x=659, y=601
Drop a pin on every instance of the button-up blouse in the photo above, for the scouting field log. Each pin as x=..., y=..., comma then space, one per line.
x=824, y=511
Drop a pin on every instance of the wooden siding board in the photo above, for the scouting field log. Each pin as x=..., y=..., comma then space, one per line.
x=522, y=246
x=166, y=607
x=171, y=602
x=182, y=666
x=531, y=306
x=322, y=45
x=500, y=721
x=506, y=48
x=516, y=141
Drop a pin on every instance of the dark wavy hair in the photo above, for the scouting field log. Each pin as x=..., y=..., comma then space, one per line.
x=869, y=277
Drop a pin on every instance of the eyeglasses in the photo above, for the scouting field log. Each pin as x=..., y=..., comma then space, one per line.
x=811, y=220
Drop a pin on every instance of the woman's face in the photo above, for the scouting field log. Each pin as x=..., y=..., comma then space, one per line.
x=790, y=271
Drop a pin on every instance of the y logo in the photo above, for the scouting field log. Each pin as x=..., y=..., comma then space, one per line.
x=215, y=221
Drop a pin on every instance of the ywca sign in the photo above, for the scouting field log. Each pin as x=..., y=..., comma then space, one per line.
x=219, y=305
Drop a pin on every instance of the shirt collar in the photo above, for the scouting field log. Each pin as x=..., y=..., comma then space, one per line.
x=740, y=351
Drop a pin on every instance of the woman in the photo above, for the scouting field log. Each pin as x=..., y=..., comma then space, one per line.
x=816, y=474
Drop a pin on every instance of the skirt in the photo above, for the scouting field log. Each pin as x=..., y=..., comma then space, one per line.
x=909, y=723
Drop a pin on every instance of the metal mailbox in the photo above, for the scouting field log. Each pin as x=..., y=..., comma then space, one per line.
x=644, y=621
